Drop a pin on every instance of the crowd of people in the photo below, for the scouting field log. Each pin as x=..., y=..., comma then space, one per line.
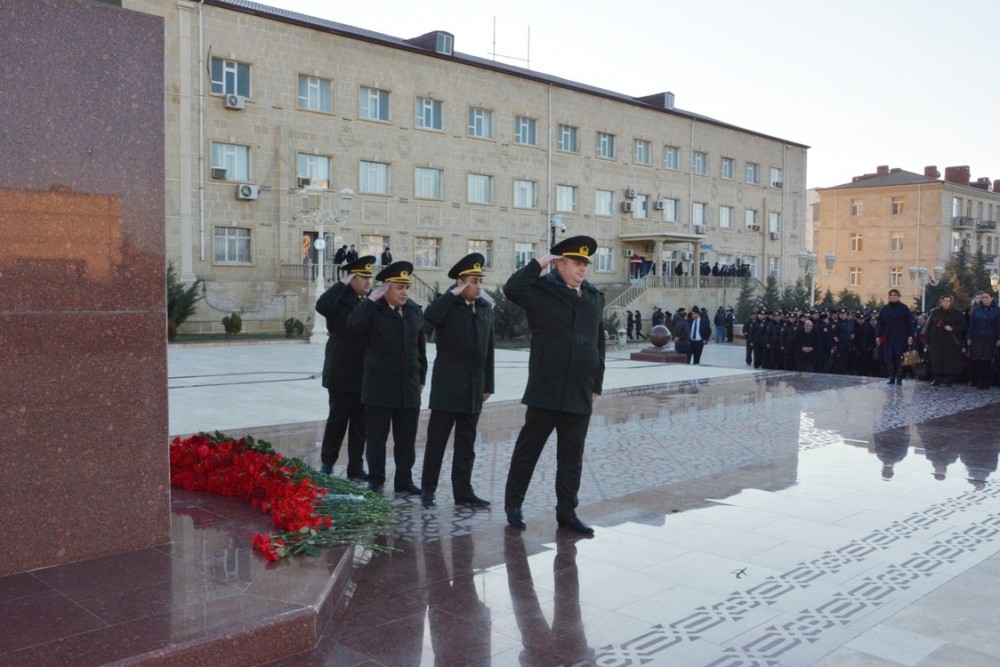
x=706, y=269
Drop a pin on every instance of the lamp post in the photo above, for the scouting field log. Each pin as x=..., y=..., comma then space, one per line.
x=807, y=262
x=919, y=276
x=320, y=217
x=555, y=224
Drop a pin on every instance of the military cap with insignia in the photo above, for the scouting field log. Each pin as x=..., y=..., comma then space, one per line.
x=580, y=248
x=397, y=272
x=470, y=265
x=362, y=266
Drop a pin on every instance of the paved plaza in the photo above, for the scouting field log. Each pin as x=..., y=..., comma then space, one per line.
x=742, y=518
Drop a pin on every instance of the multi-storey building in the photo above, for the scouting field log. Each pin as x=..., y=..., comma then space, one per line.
x=895, y=228
x=272, y=117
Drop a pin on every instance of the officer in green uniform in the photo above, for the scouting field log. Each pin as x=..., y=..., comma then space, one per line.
x=395, y=369
x=565, y=373
x=342, y=368
x=462, y=379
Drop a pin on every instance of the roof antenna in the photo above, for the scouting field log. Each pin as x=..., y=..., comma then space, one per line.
x=526, y=61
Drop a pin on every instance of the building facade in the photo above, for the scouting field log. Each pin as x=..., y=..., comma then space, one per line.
x=271, y=116
x=894, y=228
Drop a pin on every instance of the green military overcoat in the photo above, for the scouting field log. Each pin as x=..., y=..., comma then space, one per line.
x=463, y=367
x=343, y=363
x=395, y=365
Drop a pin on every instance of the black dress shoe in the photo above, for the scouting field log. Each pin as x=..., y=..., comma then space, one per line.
x=473, y=501
x=375, y=486
x=325, y=469
x=574, y=523
x=892, y=379
x=410, y=489
x=427, y=499
x=357, y=476
x=515, y=518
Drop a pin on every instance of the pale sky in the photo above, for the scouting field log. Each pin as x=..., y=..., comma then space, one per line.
x=906, y=83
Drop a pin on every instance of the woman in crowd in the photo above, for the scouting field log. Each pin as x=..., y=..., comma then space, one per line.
x=983, y=338
x=943, y=334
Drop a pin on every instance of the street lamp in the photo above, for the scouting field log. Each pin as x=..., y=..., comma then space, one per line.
x=919, y=276
x=995, y=282
x=807, y=262
x=555, y=224
x=319, y=217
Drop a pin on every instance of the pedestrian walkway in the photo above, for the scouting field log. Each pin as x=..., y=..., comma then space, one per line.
x=742, y=518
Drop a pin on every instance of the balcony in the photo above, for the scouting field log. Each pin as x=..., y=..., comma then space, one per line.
x=963, y=222
x=989, y=259
x=986, y=225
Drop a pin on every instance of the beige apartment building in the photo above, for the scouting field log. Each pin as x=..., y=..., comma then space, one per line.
x=283, y=129
x=896, y=228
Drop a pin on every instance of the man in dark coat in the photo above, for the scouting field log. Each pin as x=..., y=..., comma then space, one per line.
x=462, y=379
x=352, y=254
x=894, y=334
x=386, y=258
x=395, y=370
x=343, y=368
x=565, y=373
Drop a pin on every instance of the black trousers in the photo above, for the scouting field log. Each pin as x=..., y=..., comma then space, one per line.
x=439, y=428
x=695, y=348
x=571, y=432
x=347, y=415
x=404, y=435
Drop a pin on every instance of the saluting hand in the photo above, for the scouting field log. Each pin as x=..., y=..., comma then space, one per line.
x=348, y=277
x=379, y=292
x=545, y=259
x=458, y=289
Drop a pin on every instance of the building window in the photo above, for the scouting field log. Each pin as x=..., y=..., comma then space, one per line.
x=567, y=139
x=895, y=276
x=605, y=145
x=671, y=157
x=524, y=130
x=604, y=261
x=725, y=217
x=956, y=241
x=753, y=172
x=374, y=177
x=523, y=253
x=372, y=244
x=856, y=242
x=699, y=163
x=777, y=179
x=640, y=207
x=566, y=198
x=374, y=104
x=229, y=77
x=427, y=183
x=751, y=221
x=699, y=213
x=427, y=252
x=727, y=168
x=484, y=248
x=642, y=151
x=899, y=206
x=315, y=93
x=480, y=189
x=670, y=208
x=234, y=159
x=857, y=207
x=232, y=245
x=429, y=114
x=956, y=207
x=444, y=43
x=604, y=202
x=774, y=266
x=774, y=222
x=316, y=168
x=855, y=273
x=896, y=242
x=480, y=123
x=524, y=194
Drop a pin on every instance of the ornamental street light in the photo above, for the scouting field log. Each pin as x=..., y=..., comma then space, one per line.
x=807, y=262
x=920, y=276
x=319, y=217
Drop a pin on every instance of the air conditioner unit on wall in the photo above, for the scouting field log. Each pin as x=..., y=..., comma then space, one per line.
x=630, y=193
x=778, y=184
x=688, y=255
x=660, y=204
x=629, y=252
x=234, y=101
x=246, y=191
x=699, y=229
x=218, y=173
x=303, y=182
x=626, y=206
x=775, y=236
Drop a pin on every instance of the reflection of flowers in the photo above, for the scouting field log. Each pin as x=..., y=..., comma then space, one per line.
x=294, y=494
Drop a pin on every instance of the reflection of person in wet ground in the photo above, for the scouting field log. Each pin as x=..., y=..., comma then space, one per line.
x=941, y=455
x=890, y=451
x=448, y=597
x=980, y=458
x=564, y=641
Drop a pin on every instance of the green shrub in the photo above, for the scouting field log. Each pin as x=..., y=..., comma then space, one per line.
x=293, y=327
x=233, y=324
x=181, y=300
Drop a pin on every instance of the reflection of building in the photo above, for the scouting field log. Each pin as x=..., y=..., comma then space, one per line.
x=447, y=153
x=879, y=225
x=72, y=236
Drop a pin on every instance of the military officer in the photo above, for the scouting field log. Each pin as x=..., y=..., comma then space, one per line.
x=462, y=379
x=565, y=373
x=342, y=368
x=395, y=369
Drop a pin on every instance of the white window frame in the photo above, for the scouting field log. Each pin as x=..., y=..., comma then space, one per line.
x=234, y=158
x=428, y=183
x=314, y=167
x=373, y=104
x=315, y=93
x=856, y=276
x=485, y=248
x=606, y=145
x=230, y=77
x=774, y=222
x=569, y=139
x=372, y=244
x=642, y=152
x=857, y=207
x=699, y=213
x=604, y=203
x=751, y=219
x=671, y=209
x=480, y=189
x=899, y=206
x=373, y=177
x=857, y=241
x=525, y=193
x=523, y=253
x=232, y=245
x=640, y=207
x=480, y=123
x=896, y=242
x=429, y=114
x=753, y=173
x=727, y=167
x=524, y=130
x=699, y=163
x=566, y=198
x=895, y=276
x=604, y=260
x=426, y=252
x=726, y=215
x=671, y=157
x=777, y=176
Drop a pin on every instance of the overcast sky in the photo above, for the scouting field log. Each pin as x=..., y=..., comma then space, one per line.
x=906, y=83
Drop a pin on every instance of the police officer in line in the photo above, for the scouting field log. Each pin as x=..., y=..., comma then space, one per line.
x=395, y=369
x=462, y=379
x=565, y=373
x=342, y=369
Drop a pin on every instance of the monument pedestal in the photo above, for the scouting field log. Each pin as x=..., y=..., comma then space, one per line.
x=660, y=354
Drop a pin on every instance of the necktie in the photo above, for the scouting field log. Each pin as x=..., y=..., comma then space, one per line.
x=694, y=331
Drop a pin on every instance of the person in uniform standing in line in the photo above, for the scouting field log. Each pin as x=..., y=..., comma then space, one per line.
x=462, y=379
x=395, y=370
x=565, y=373
x=343, y=368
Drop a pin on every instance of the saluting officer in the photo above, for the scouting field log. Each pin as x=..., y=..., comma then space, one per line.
x=395, y=369
x=342, y=368
x=462, y=379
x=565, y=373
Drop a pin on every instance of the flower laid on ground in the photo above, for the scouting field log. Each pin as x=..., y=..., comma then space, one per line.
x=311, y=510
